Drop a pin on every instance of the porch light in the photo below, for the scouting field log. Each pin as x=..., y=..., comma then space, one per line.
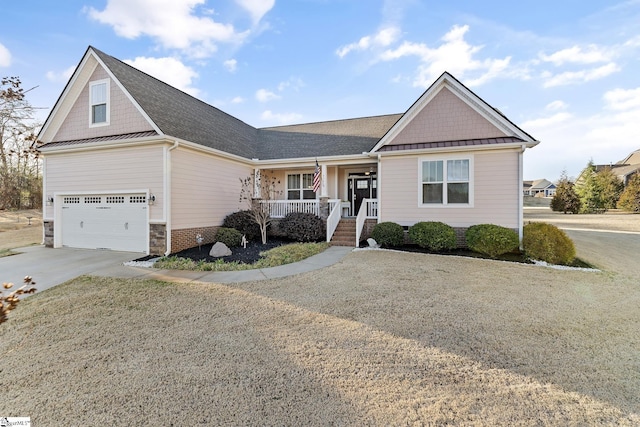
x=49, y=201
x=152, y=199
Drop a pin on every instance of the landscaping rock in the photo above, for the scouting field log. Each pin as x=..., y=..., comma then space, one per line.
x=219, y=249
x=372, y=243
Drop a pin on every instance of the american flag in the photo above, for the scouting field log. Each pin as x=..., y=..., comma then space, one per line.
x=317, y=178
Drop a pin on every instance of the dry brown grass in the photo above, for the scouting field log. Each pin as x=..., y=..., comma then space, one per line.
x=15, y=231
x=381, y=338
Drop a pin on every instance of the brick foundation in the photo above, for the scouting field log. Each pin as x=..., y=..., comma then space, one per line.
x=185, y=238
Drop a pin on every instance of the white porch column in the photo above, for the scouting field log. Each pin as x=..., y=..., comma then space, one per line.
x=257, y=194
x=323, y=185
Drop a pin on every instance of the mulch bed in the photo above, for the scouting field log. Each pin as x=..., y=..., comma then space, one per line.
x=247, y=255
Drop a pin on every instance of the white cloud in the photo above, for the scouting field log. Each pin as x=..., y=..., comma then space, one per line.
x=231, y=65
x=544, y=122
x=577, y=77
x=237, y=100
x=61, y=76
x=556, y=106
x=454, y=55
x=280, y=118
x=264, y=95
x=576, y=54
x=294, y=83
x=5, y=56
x=169, y=70
x=621, y=99
x=383, y=38
x=173, y=23
x=256, y=8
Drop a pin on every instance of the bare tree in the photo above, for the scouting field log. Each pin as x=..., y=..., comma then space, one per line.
x=19, y=161
x=256, y=192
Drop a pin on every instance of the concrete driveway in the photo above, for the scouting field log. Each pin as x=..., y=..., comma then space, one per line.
x=50, y=267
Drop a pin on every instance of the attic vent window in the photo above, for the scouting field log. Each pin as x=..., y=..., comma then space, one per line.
x=99, y=103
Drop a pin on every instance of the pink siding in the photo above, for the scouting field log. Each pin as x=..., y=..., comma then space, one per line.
x=446, y=118
x=120, y=169
x=496, y=192
x=204, y=188
x=125, y=118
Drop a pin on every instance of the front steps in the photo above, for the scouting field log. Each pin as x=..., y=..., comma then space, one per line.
x=345, y=234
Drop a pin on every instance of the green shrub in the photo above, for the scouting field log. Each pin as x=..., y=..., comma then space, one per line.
x=432, y=235
x=229, y=236
x=546, y=242
x=303, y=227
x=491, y=239
x=388, y=234
x=244, y=223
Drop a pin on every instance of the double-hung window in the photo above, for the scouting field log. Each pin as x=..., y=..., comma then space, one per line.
x=300, y=186
x=446, y=182
x=99, y=103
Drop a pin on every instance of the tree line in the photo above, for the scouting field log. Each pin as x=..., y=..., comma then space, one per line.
x=20, y=175
x=596, y=192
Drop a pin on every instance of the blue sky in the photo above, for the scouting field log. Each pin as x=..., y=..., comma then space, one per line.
x=567, y=72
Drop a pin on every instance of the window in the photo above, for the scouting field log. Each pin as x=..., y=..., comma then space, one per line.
x=300, y=186
x=99, y=103
x=446, y=182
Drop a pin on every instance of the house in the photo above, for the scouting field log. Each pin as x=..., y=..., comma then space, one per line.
x=133, y=164
x=539, y=188
x=623, y=169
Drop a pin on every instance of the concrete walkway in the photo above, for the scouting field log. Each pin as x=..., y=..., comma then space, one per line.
x=50, y=267
x=329, y=257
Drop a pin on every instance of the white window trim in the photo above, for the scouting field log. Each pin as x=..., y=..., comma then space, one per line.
x=108, y=102
x=444, y=159
x=301, y=189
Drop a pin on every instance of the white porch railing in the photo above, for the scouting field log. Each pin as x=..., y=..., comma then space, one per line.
x=335, y=208
x=368, y=209
x=280, y=208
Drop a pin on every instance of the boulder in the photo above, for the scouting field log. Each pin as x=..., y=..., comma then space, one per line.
x=372, y=243
x=219, y=249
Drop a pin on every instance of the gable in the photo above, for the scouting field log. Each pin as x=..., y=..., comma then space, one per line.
x=446, y=118
x=125, y=118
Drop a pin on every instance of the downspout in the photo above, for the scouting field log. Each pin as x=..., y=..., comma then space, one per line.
x=520, y=193
x=167, y=195
x=379, y=187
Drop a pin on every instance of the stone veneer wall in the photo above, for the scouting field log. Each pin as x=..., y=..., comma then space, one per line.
x=157, y=239
x=48, y=233
x=186, y=238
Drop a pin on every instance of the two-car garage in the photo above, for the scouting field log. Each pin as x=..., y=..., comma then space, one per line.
x=118, y=222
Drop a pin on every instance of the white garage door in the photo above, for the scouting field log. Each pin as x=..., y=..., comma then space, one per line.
x=114, y=221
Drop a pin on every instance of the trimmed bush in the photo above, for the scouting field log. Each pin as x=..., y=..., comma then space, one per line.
x=229, y=236
x=491, y=239
x=546, y=242
x=303, y=227
x=388, y=234
x=434, y=236
x=244, y=223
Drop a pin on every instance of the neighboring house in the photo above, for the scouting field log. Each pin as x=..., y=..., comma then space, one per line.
x=539, y=188
x=624, y=169
x=133, y=164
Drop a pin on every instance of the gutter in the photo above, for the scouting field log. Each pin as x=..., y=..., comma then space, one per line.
x=520, y=193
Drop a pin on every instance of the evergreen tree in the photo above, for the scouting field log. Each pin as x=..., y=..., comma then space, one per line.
x=630, y=197
x=566, y=199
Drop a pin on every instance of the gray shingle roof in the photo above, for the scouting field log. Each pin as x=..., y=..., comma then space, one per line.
x=181, y=115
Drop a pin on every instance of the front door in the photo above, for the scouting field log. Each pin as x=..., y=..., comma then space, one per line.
x=361, y=188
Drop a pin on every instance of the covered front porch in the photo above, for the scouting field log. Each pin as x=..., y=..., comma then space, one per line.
x=345, y=192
